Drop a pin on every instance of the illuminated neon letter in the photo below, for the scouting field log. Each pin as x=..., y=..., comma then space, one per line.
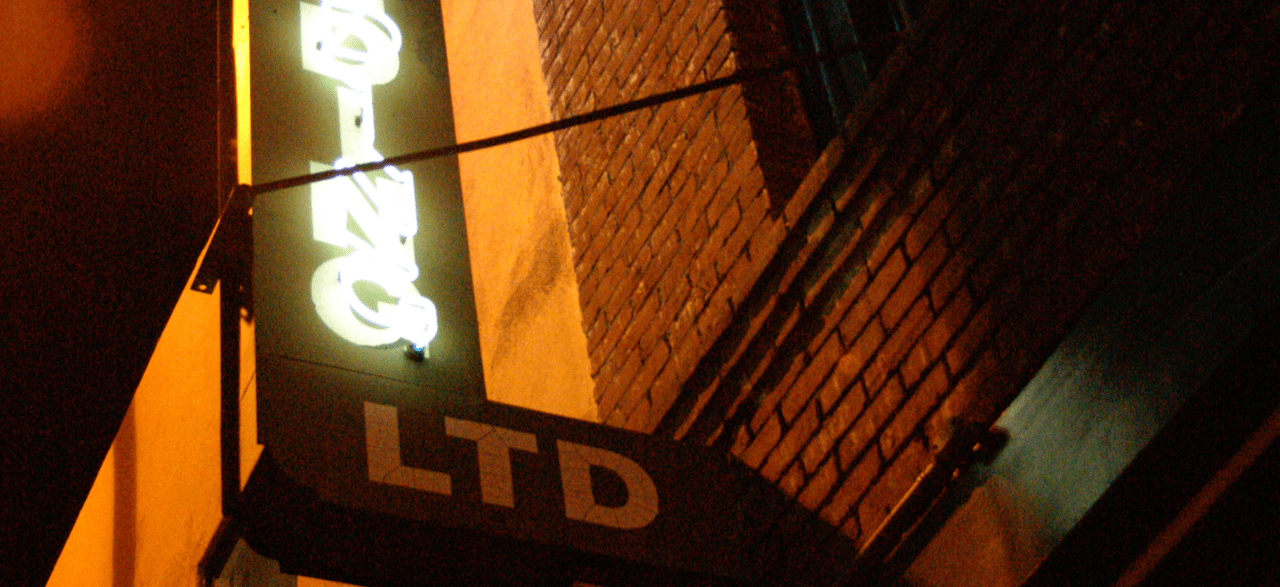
x=358, y=45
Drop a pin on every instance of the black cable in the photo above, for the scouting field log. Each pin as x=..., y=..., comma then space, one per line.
x=741, y=76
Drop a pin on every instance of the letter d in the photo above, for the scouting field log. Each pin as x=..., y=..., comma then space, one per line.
x=580, y=502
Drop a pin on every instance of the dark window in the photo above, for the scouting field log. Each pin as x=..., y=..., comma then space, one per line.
x=831, y=88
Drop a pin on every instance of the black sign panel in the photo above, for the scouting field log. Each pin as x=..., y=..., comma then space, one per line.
x=533, y=480
x=350, y=271
x=382, y=469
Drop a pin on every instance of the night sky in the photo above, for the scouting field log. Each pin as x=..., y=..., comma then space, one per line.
x=108, y=133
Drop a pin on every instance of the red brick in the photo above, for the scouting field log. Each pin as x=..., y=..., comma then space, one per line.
x=886, y=278
x=633, y=328
x=929, y=260
x=833, y=429
x=859, y=437
x=969, y=339
x=949, y=321
x=738, y=142
x=606, y=392
x=925, y=228
x=915, y=363
x=711, y=250
x=644, y=30
x=720, y=61
x=710, y=17
x=764, y=245
x=682, y=55
x=888, y=241
x=786, y=450
x=686, y=350
x=922, y=401
x=618, y=150
x=982, y=392
x=904, y=337
x=841, y=381
x=713, y=319
x=651, y=279
x=689, y=310
x=664, y=390
x=852, y=489
x=666, y=241
x=625, y=376
x=650, y=153
x=555, y=72
x=614, y=419
x=657, y=58
x=696, y=67
x=747, y=228
x=741, y=172
x=693, y=227
x=967, y=214
x=878, y=197
x=938, y=427
x=871, y=155
x=622, y=39
x=571, y=99
x=861, y=352
x=655, y=358
x=851, y=529
x=675, y=290
x=799, y=393
x=876, y=374
x=599, y=324
x=602, y=227
x=638, y=416
x=656, y=329
x=739, y=278
x=898, y=477
x=740, y=440
x=907, y=291
x=792, y=481
x=612, y=334
x=769, y=403
x=820, y=486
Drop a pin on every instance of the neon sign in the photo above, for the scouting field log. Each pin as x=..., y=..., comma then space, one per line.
x=367, y=296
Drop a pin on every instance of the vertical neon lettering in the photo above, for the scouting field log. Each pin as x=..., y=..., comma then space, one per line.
x=356, y=44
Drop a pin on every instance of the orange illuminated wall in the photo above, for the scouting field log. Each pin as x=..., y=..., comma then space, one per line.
x=156, y=502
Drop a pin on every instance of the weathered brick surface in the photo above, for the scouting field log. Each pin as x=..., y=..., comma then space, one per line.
x=664, y=205
x=991, y=205
x=1006, y=161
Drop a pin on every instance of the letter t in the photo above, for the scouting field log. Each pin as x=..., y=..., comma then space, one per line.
x=493, y=445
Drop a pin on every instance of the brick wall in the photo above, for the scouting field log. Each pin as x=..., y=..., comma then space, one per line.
x=1004, y=164
x=668, y=211
x=1003, y=169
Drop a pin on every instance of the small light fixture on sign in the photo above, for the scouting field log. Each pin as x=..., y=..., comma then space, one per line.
x=416, y=353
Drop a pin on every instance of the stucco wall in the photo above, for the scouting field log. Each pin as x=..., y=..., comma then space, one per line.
x=531, y=338
x=156, y=501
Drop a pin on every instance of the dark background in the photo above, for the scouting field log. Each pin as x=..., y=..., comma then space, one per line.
x=107, y=194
